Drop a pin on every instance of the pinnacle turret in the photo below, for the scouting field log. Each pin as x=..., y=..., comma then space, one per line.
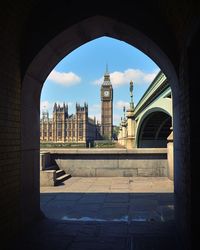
x=106, y=77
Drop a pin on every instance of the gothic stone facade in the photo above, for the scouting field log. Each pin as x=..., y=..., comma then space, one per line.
x=63, y=127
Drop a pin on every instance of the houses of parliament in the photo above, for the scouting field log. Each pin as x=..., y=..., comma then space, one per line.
x=79, y=127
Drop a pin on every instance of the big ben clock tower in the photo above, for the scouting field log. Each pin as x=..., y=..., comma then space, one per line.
x=106, y=107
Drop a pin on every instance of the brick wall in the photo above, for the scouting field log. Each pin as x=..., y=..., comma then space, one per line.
x=182, y=159
x=10, y=86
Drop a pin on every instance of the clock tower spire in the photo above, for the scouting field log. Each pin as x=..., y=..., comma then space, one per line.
x=107, y=107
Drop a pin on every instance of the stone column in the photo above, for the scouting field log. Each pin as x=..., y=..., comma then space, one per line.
x=170, y=154
x=130, y=141
x=124, y=133
x=120, y=135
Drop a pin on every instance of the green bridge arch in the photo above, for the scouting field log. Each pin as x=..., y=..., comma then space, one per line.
x=153, y=114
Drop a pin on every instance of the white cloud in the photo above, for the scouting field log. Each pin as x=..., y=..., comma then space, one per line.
x=70, y=104
x=116, y=119
x=136, y=75
x=95, y=108
x=120, y=104
x=148, y=78
x=66, y=79
x=46, y=105
x=97, y=115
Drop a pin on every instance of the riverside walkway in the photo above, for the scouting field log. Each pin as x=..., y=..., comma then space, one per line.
x=118, y=213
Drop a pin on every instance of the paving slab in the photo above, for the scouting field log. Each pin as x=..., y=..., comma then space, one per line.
x=119, y=213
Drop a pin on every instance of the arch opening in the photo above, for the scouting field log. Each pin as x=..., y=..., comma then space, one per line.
x=154, y=130
x=40, y=68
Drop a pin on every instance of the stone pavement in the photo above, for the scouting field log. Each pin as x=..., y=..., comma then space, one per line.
x=105, y=213
x=110, y=199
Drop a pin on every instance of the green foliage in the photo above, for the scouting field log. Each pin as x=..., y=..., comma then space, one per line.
x=92, y=144
x=105, y=138
x=115, y=132
x=62, y=145
x=104, y=144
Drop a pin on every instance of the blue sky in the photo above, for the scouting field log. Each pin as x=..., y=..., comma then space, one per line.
x=78, y=77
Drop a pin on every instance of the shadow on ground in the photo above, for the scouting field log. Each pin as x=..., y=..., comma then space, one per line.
x=106, y=221
x=121, y=207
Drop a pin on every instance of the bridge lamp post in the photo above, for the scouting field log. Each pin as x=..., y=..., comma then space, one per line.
x=131, y=124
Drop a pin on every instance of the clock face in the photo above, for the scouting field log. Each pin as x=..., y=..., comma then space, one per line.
x=106, y=93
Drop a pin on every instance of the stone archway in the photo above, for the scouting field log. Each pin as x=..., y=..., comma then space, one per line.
x=38, y=71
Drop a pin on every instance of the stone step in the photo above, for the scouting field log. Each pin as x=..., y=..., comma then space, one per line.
x=59, y=173
x=62, y=178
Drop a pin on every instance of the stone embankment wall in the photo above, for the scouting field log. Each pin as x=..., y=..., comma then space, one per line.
x=110, y=162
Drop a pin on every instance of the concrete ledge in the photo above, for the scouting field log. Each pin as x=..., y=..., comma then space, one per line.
x=47, y=178
x=106, y=151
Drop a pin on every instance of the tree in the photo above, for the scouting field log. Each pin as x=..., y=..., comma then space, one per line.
x=115, y=132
